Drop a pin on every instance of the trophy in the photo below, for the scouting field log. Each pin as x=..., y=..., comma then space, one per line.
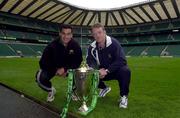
x=83, y=83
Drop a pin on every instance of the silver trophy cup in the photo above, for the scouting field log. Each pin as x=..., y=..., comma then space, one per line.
x=84, y=89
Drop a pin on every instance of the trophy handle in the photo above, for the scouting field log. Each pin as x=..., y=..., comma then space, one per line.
x=69, y=93
x=94, y=87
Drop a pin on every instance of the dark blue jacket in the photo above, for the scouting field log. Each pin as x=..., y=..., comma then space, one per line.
x=55, y=56
x=111, y=57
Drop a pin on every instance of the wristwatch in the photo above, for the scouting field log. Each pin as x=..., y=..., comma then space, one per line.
x=107, y=71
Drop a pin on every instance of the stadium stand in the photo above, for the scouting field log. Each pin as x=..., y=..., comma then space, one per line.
x=20, y=49
x=128, y=49
x=139, y=31
x=37, y=48
x=5, y=50
x=136, y=51
x=155, y=50
x=176, y=36
x=173, y=50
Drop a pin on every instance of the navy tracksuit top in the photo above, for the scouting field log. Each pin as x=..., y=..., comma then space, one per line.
x=112, y=57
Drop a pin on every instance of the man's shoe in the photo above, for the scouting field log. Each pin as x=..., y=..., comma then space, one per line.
x=123, y=102
x=51, y=94
x=103, y=92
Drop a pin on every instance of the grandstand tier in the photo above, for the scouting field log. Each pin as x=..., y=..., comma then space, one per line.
x=144, y=29
x=20, y=49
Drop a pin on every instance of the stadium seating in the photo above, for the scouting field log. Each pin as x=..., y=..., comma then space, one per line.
x=14, y=49
x=14, y=34
x=23, y=50
x=161, y=37
x=5, y=50
x=145, y=38
x=132, y=39
x=128, y=49
x=176, y=24
x=174, y=50
x=142, y=40
x=171, y=50
x=155, y=50
x=37, y=48
x=24, y=22
x=26, y=35
x=1, y=34
x=176, y=36
x=136, y=51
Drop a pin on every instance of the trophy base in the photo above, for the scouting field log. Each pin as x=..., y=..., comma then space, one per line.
x=83, y=108
x=85, y=113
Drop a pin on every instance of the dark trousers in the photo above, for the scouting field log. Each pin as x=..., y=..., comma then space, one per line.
x=43, y=79
x=123, y=76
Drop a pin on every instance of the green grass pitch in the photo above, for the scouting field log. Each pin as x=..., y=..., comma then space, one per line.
x=154, y=89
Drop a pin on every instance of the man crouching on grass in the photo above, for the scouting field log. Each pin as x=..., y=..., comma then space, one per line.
x=60, y=55
x=107, y=55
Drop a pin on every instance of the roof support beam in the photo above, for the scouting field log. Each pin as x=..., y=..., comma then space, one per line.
x=3, y=3
x=164, y=8
x=94, y=13
x=46, y=10
x=76, y=17
x=130, y=17
x=44, y=4
x=99, y=17
x=175, y=8
x=29, y=5
x=122, y=17
x=107, y=18
x=154, y=10
x=115, y=19
x=86, y=13
x=14, y=6
x=145, y=12
x=144, y=21
x=69, y=15
x=54, y=12
x=60, y=15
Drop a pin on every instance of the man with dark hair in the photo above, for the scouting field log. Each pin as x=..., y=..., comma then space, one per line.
x=107, y=55
x=60, y=55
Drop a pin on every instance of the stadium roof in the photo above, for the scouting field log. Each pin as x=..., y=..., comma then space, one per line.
x=61, y=12
x=102, y=4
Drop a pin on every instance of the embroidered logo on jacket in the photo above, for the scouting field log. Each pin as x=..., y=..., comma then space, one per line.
x=109, y=56
x=71, y=51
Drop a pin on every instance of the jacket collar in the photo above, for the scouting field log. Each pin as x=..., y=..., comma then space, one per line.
x=108, y=42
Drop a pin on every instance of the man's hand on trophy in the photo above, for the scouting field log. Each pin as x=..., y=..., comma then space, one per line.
x=102, y=73
x=61, y=72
